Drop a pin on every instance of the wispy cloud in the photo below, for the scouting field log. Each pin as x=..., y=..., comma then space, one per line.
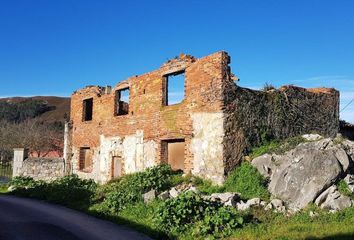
x=336, y=81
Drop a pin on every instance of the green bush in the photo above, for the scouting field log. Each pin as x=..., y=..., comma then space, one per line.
x=219, y=223
x=69, y=190
x=22, y=182
x=247, y=181
x=190, y=210
x=129, y=189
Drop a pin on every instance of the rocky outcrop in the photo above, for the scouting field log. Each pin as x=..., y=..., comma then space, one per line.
x=304, y=174
x=333, y=200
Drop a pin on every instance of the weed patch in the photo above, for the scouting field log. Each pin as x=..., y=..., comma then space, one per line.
x=246, y=180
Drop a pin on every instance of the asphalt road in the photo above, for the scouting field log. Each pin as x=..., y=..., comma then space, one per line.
x=27, y=219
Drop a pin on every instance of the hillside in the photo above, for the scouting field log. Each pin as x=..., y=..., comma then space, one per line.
x=56, y=107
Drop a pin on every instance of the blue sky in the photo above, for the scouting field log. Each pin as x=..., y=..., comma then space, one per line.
x=54, y=47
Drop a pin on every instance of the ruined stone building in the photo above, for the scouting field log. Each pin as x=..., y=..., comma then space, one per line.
x=137, y=124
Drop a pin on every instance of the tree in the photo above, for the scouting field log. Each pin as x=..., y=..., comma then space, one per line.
x=41, y=138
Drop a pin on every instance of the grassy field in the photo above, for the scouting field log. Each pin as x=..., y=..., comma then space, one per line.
x=337, y=226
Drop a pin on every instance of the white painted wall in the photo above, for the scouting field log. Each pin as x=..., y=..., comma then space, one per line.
x=207, y=146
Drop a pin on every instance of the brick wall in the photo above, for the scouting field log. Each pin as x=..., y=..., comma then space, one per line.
x=147, y=113
x=218, y=120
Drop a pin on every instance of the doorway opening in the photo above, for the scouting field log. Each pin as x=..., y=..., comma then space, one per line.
x=116, y=167
x=173, y=153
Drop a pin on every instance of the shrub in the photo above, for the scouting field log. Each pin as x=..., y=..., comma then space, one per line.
x=190, y=210
x=22, y=182
x=129, y=189
x=69, y=190
x=219, y=223
x=267, y=87
x=247, y=181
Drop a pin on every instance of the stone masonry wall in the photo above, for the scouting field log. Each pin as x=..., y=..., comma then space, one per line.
x=253, y=117
x=46, y=169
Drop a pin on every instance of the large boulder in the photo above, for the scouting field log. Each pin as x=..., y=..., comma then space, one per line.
x=299, y=176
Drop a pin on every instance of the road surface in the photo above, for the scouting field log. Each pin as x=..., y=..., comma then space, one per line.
x=27, y=219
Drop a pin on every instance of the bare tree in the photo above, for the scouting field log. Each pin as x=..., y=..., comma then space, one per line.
x=41, y=138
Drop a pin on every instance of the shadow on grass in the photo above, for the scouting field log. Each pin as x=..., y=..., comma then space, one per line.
x=348, y=236
x=133, y=225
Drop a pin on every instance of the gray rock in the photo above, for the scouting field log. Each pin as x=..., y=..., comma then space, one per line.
x=269, y=207
x=300, y=175
x=242, y=206
x=174, y=193
x=312, y=137
x=164, y=195
x=342, y=157
x=349, y=179
x=333, y=200
x=313, y=214
x=227, y=199
x=301, y=179
x=264, y=164
x=277, y=205
x=192, y=189
x=348, y=147
x=254, y=202
x=149, y=196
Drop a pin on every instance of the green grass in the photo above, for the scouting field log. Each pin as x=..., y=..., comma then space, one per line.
x=338, y=226
x=139, y=216
x=344, y=189
x=276, y=146
x=3, y=188
x=246, y=180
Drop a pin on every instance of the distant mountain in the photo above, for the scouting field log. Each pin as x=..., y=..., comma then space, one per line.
x=45, y=108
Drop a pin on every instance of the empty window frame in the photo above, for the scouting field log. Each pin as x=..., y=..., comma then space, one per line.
x=174, y=88
x=87, y=109
x=122, y=102
x=85, y=160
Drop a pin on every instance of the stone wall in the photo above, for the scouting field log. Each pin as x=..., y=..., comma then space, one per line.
x=254, y=117
x=46, y=169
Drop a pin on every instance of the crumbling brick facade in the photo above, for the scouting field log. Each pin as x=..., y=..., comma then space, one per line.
x=110, y=137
